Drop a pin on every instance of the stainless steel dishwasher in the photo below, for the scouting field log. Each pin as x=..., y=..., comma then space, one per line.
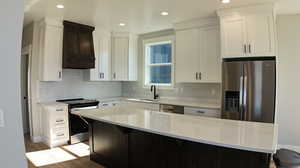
x=171, y=109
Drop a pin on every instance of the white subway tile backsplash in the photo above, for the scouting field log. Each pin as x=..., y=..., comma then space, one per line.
x=193, y=91
x=73, y=85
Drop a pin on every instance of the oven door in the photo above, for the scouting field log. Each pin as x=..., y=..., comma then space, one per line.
x=78, y=127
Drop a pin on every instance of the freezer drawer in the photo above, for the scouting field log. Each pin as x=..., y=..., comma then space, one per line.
x=204, y=112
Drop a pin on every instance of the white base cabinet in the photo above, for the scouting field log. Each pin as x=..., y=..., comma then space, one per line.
x=248, y=31
x=198, y=57
x=50, y=50
x=55, y=124
x=111, y=102
x=203, y=112
x=148, y=106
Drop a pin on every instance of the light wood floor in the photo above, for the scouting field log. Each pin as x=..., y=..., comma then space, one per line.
x=83, y=162
x=80, y=162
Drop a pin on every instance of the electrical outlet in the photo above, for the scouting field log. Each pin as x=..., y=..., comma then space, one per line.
x=1, y=118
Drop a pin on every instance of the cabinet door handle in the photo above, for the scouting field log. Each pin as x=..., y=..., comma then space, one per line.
x=59, y=109
x=245, y=48
x=200, y=76
x=101, y=75
x=197, y=76
x=201, y=112
x=115, y=75
x=59, y=74
x=249, y=48
x=59, y=120
x=59, y=135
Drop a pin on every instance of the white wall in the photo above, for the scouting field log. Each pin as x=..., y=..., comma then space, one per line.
x=12, y=152
x=288, y=109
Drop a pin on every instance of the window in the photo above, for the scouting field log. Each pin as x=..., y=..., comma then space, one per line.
x=159, y=61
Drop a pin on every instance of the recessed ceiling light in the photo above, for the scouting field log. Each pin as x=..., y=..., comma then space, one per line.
x=60, y=6
x=122, y=24
x=225, y=1
x=164, y=13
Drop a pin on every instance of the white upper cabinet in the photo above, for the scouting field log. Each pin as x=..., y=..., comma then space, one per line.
x=50, y=50
x=133, y=58
x=210, y=55
x=120, y=58
x=198, y=58
x=102, y=46
x=261, y=35
x=116, y=57
x=248, y=31
x=233, y=37
x=187, y=56
x=124, y=57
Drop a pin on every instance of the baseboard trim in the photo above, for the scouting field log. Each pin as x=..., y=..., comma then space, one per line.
x=291, y=147
x=37, y=139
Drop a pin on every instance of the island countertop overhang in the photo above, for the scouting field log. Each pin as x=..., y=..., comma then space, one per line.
x=242, y=135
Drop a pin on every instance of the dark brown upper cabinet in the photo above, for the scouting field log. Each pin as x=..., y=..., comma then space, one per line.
x=78, y=46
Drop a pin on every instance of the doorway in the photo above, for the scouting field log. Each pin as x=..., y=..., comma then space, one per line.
x=25, y=90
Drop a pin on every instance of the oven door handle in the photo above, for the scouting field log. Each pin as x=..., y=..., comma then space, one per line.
x=84, y=119
x=84, y=108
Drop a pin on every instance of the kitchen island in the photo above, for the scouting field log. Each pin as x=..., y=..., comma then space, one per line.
x=126, y=137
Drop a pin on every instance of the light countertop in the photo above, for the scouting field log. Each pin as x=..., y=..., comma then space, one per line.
x=187, y=102
x=53, y=103
x=181, y=102
x=250, y=136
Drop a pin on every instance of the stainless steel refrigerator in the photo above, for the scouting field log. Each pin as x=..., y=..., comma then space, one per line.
x=249, y=90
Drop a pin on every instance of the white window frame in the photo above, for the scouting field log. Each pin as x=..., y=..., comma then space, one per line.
x=147, y=65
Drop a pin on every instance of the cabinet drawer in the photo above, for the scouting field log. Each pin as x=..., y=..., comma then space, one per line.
x=109, y=103
x=60, y=121
x=60, y=135
x=202, y=112
x=59, y=129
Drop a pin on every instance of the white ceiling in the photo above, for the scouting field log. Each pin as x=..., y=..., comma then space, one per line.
x=141, y=16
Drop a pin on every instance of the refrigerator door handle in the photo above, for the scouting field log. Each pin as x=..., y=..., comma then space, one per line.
x=245, y=94
x=241, y=109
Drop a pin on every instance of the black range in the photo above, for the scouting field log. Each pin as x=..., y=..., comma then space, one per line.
x=78, y=128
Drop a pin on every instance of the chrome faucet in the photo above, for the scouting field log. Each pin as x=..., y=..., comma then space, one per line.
x=153, y=89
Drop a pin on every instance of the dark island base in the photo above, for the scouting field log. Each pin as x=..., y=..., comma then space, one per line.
x=118, y=147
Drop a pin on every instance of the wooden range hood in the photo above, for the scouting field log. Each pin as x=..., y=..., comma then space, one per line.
x=78, y=46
